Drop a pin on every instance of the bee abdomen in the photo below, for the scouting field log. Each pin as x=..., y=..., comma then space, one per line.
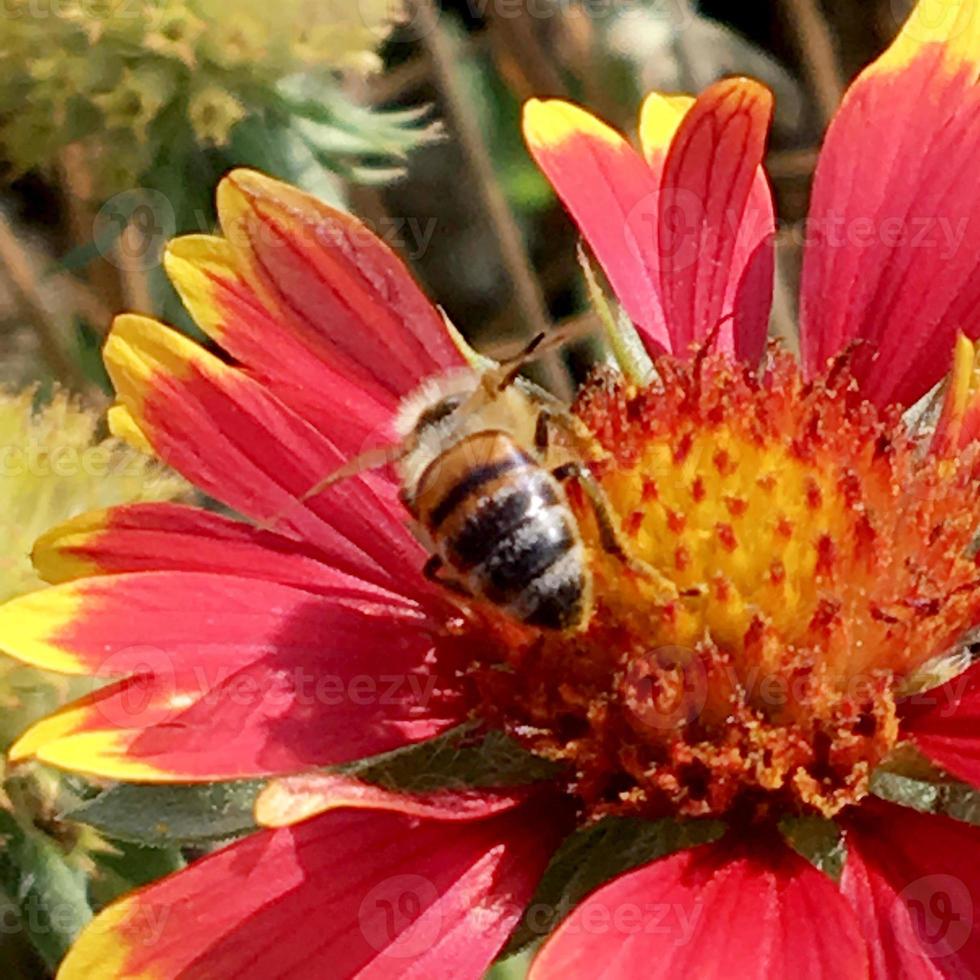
x=503, y=524
x=524, y=555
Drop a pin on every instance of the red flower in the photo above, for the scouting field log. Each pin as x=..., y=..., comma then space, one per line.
x=814, y=558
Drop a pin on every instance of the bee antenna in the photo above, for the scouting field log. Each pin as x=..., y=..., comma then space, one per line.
x=540, y=344
x=371, y=459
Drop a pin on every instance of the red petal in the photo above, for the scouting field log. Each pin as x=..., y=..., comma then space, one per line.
x=716, y=221
x=233, y=676
x=172, y=537
x=893, y=257
x=348, y=894
x=348, y=412
x=344, y=291
x=913, y=879
x=612, y=194
x=685, y=240
x=712, y=912
x=229, y=436
x=945, y=724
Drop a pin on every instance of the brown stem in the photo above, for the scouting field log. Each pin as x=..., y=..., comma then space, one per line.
x=527, y=289
x=103, y=277
x=520, y=54
x=22, y=274
x=818, y=54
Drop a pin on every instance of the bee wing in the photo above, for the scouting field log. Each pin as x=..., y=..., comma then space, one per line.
x=342, y=289
x=370, y=460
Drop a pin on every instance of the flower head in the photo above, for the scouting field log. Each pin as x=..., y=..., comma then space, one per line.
x=782, y=569
x=212, y=113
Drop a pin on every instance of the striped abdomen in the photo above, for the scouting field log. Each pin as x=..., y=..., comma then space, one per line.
x=502, y=524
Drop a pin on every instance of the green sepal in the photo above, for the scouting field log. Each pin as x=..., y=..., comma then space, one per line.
x=461, y=758
x=945, y=795
x=818, y=840
x=595, y=855
x=624, y=341
x=172, y=816
x=182, y=815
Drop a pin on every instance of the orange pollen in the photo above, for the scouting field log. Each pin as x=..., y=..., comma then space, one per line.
x=806, y=557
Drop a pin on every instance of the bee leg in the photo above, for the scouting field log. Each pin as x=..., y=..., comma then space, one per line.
x=610, y=535
x=433, y=565
x=542, y=431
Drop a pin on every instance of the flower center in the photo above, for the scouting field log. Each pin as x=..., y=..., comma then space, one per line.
x=810, y=557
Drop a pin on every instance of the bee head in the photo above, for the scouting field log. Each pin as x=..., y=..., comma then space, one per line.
x=438, y=411
x=434, y=402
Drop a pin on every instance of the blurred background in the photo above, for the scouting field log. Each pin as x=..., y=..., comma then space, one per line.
x=117, y=117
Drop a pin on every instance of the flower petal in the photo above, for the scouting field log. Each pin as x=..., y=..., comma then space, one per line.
x=710, y=912
x=686, y=240
x=346, y=294
x=914, y=881
x=348, y=412
x=660, y=117
x=173, y=537
x=226, y=677
x=959, y=424
x=716, y=221
x=347, y=894
x=228, y=435
x=612, y=195
x=893, y=256
x=945, y=724
x=292, y=799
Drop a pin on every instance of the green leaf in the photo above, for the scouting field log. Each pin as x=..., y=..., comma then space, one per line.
x=49, y=895
x=943, y=795
x=126, y=866
x=458, y=759
x=597, y=854
x=818, y=840
x=512, y=968
x=88, y=346
x=185, y=815
x=163, y=816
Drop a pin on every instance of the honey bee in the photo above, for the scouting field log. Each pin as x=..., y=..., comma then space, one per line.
x=483, y=460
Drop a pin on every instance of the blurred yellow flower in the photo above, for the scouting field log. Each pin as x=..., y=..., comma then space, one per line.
x=135, y=100
x=54, y=466
x=212, y=112
x=89, y=69
x=174, y=29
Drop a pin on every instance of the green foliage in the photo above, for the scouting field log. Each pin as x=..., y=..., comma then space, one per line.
x=458, y=759
x=820, y=841
x=196, y=815
x=597, y=854
x=172, y=815
x=49, y=894
x=940, y=794
x=138, y=81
